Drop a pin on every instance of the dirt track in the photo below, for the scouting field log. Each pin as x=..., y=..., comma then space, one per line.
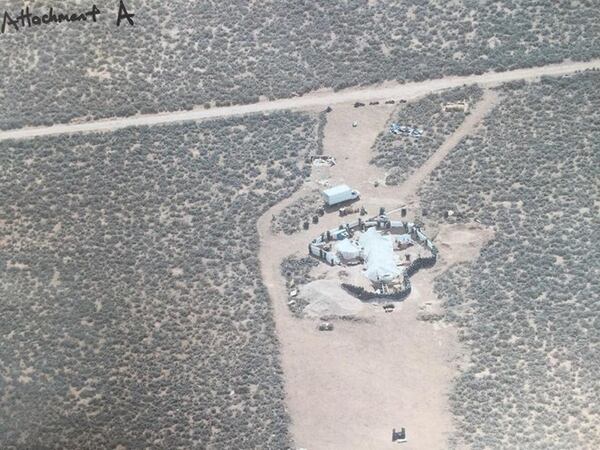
x=319, y=100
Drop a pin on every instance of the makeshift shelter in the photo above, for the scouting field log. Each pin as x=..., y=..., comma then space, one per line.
x=348, y=250
x=378, y=253
x=404, y=240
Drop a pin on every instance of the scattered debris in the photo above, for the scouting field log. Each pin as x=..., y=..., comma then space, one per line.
x=405, y=130
x=354, y=124
x=349, y=210
x=322, y=160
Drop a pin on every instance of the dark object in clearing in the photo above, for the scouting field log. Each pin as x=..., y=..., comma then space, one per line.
x=402, y=101
x=358, y=104
x=328, y=110
x=348, y=210
x=388, y=307
x=373, y=103
x=305, y=225
x=326, y=326
x=390, y=102
x=315, y=219
x=399, y=436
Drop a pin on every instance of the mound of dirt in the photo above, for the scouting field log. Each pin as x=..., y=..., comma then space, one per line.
x=327, y=298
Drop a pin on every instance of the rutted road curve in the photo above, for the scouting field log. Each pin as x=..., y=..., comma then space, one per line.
x=388, y=90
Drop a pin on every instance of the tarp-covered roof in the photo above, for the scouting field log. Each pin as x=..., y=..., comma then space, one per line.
x=347, y=249
x=378, y=252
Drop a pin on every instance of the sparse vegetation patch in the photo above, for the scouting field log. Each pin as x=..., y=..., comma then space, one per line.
x=131, y=308
x=185, y=54
x=401, y=155
x=528, y=307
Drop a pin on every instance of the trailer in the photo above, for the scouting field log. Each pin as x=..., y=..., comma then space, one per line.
x=339, y=194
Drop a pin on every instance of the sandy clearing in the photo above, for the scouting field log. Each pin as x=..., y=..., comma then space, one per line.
x=316, y=100
x=348, y=388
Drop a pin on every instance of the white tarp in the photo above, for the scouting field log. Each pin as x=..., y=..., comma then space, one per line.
x=378, y=252
x=347, y=249
x=404, y=239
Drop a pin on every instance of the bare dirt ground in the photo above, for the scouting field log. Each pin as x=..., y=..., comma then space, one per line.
x=348, y=388
x=315, y=100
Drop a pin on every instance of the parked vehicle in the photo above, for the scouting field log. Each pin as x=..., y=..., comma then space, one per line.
x=339, y=194
x=326, y=326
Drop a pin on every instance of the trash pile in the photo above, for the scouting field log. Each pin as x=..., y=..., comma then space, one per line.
x=403, y=130
x=322, y=160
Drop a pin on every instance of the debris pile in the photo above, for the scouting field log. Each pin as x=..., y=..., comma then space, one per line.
x=403, y=130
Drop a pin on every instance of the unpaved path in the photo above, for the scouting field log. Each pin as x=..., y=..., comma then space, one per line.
x=348, y=388
x=319, y=99
x=484, y=106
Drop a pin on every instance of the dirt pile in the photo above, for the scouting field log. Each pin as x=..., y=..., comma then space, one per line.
x=327, y=298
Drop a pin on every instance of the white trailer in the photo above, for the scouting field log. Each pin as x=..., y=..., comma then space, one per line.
x=339, y=194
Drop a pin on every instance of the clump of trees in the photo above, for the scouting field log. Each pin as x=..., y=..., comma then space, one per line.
x=182, y=56
x=527, y=308
x=401, y=155
x=131, y=307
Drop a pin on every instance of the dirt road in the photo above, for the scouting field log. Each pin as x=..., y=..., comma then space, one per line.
x=316, y=100
x=484, y=106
